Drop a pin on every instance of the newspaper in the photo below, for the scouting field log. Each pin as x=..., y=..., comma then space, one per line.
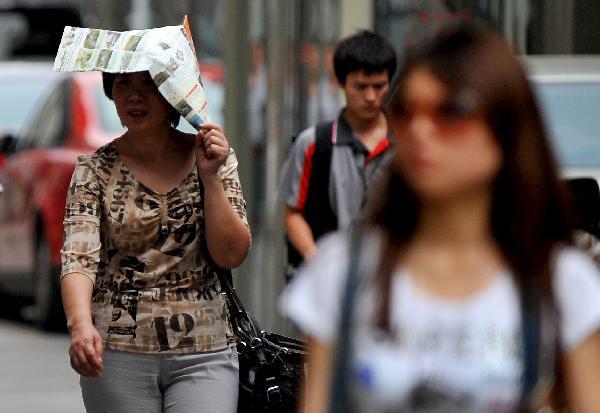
x=166, y=52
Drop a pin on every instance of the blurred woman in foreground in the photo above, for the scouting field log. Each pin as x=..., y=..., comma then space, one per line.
x=468, y=237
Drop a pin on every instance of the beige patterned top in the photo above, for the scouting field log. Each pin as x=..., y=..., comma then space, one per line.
x=145, y=252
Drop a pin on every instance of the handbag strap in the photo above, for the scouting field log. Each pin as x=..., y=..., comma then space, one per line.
x=339, y=385
x=225, y=278
x=539, y=335
x=244, y=325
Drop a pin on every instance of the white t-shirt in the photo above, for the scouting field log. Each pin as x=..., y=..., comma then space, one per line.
x=442, y=355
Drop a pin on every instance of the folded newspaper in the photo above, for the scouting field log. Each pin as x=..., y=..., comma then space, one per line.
x=166, y=52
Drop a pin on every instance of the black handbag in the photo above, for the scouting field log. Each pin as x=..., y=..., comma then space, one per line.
x=272, y=366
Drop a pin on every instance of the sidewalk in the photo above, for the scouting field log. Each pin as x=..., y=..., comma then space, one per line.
x=35, y=375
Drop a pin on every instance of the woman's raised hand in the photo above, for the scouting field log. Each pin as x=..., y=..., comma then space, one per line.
x=211, y=149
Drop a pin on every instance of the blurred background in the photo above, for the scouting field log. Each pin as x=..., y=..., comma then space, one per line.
x=267, y=69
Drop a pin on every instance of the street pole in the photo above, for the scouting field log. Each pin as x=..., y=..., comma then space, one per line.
x=272, y=251
x=140, y=16
x=236, y=64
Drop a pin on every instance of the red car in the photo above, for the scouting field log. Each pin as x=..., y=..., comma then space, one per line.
x=74, y=118
x=22, y=83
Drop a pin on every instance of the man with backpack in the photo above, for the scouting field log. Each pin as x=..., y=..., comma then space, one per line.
x=329, y=167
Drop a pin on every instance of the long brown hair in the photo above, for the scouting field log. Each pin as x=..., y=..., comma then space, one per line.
x=529, y=214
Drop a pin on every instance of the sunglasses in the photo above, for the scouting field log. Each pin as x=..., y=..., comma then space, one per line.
x=450, y=113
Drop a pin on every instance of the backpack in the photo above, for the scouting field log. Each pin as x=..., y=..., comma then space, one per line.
x=317, y=209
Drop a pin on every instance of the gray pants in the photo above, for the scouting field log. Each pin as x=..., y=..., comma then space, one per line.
x=157, y=383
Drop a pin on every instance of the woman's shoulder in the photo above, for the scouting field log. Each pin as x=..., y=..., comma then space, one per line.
x=229, y=168
x=101, y=155
x=574, y=269
x=577, y=291
x=99, y=163
x=313, y=297
x=571, y=261
x=335, y=249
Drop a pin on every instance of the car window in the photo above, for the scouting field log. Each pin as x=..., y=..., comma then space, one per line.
x=19, y=94
x=571, y=113
x=215, y=96
x=48, y=128
x=109, y=119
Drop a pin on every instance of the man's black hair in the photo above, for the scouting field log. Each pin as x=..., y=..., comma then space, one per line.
x=364, y=51
x=108, y=79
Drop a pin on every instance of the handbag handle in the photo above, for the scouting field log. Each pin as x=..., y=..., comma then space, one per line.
x=339, y=390
x=540, y=341
x=235, y=303
x=244, y=324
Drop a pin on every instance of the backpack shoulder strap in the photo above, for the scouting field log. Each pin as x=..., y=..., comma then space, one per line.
x=324, y=132
x=317, y=210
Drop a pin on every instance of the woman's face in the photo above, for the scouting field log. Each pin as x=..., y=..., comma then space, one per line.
x=139, y=104
x=444, y=147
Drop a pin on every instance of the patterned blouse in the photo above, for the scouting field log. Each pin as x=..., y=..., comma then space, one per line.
x=145, y=252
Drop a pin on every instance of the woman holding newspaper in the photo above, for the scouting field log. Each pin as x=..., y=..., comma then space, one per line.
x=149, y=219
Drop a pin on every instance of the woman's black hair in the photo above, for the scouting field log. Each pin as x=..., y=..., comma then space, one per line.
x=108, y=79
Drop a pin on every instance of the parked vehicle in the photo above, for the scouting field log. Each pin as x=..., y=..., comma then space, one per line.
x=21, y=86
x=568, y=88
x=73, y=118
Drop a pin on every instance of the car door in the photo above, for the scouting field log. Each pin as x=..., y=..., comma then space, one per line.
x=24, y=177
